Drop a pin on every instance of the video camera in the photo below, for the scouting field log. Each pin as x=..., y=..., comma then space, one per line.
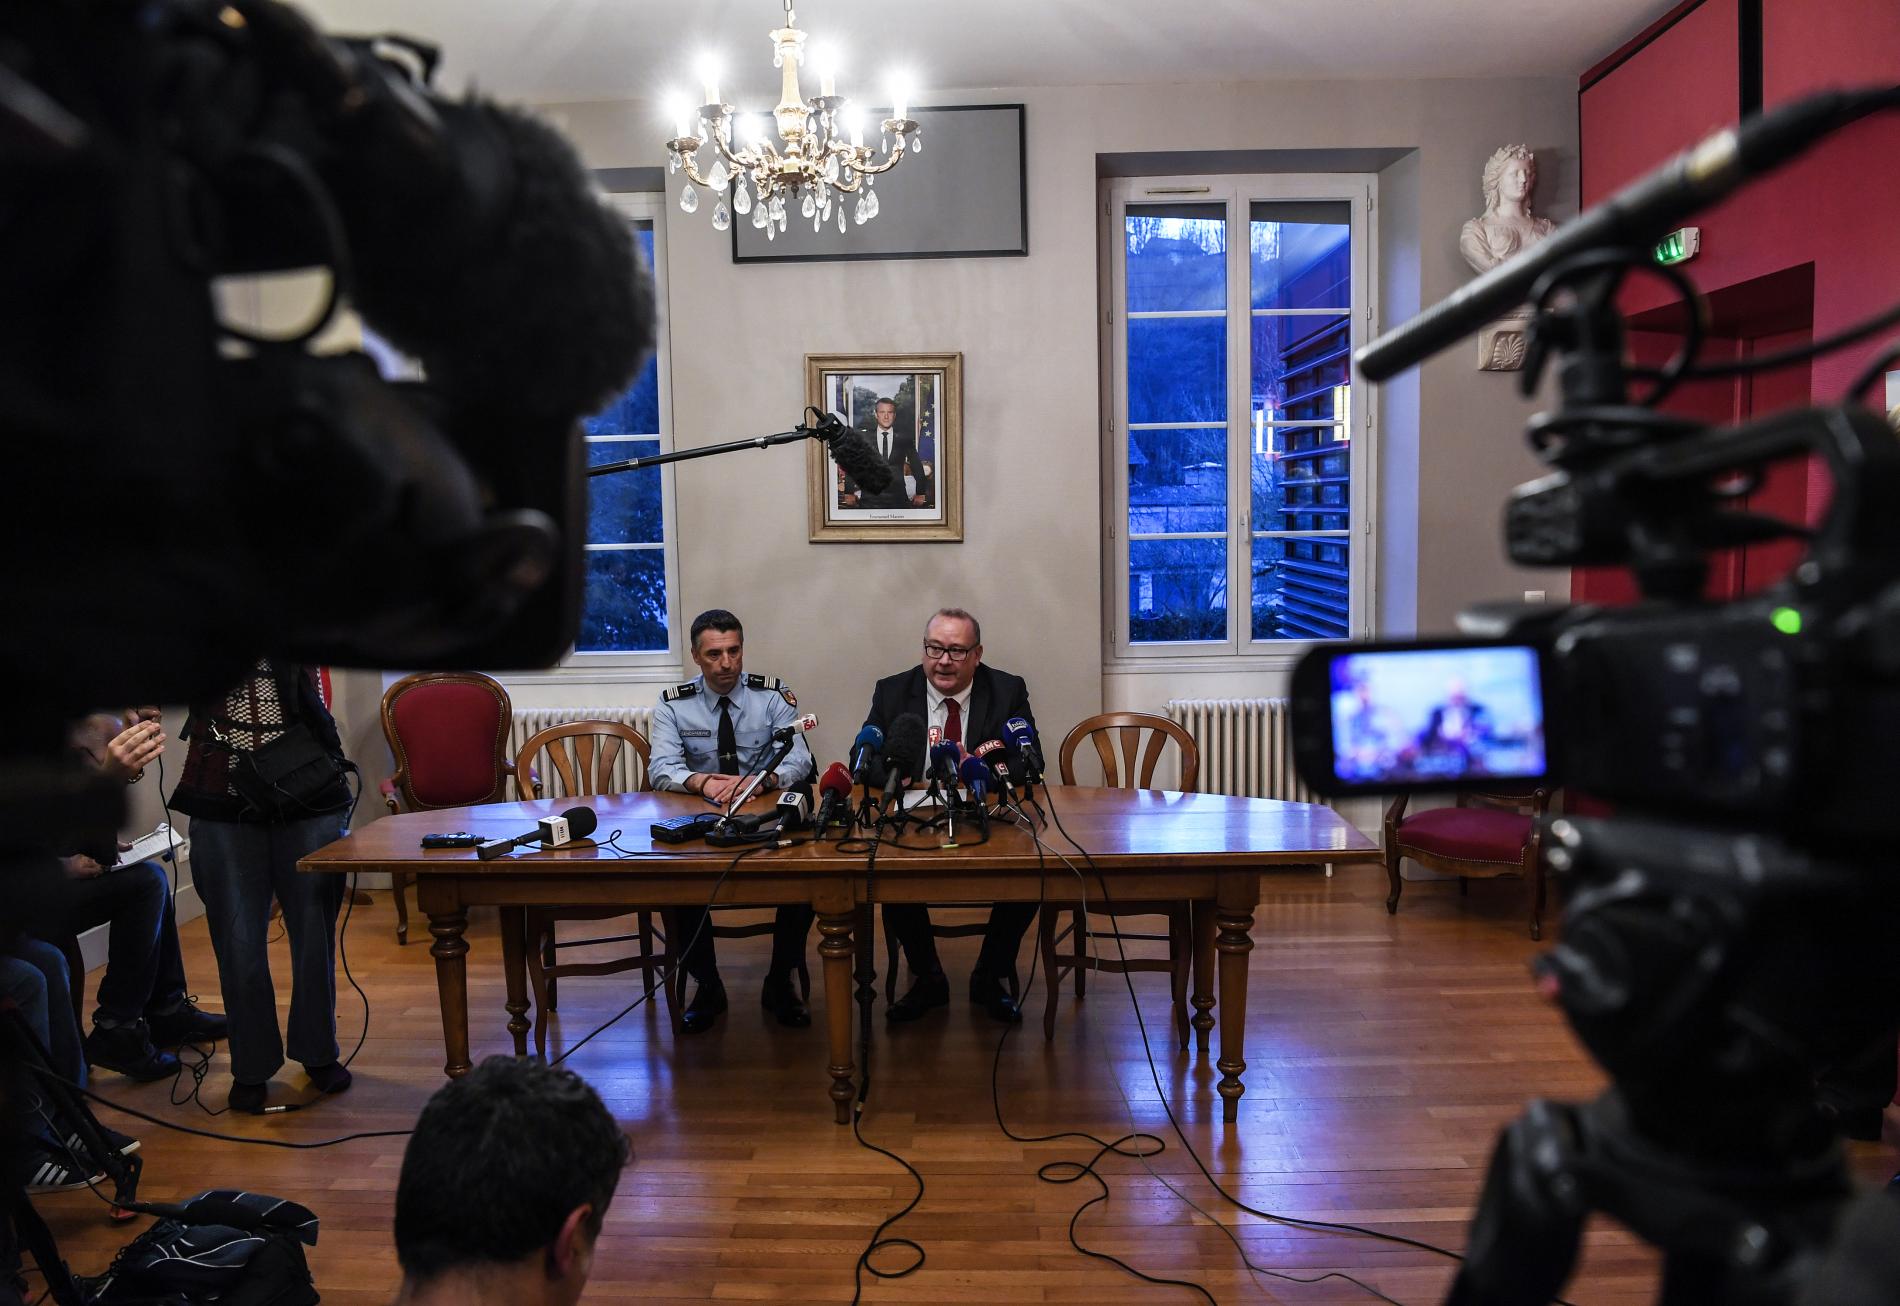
x=1729, y=936
x=228, y=494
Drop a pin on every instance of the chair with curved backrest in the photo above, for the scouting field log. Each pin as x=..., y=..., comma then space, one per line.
x=1143, y=739
x=448, y=731
x=1483, y=836
x=581, y=760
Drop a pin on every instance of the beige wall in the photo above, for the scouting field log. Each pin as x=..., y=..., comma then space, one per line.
x=831, y=618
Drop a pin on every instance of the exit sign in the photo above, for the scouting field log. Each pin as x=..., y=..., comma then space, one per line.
x=1679, y=246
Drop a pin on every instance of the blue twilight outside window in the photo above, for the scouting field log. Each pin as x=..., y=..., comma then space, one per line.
x=625, y=608
x=1262, y=511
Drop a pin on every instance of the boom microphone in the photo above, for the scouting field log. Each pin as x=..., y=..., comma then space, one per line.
x=854, y=453
x=1636, y=216
x=550, y=832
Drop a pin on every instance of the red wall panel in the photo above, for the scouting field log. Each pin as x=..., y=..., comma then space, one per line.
x=1676, y=89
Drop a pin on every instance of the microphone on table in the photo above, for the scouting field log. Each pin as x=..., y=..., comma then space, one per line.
x=902, y=750
x=1024, y=738
x=865, y=751
x=976, y=778
x=995, y=754
x=552, y=832
x=783, y=737
x=834, y=805
x=944, y=759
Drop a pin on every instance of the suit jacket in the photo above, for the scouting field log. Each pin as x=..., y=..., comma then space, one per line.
x=903, y=452
x=995, y=697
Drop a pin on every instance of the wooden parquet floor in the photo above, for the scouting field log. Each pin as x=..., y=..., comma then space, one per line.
x=1383, y=1055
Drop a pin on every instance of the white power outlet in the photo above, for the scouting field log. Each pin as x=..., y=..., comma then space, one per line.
x=1533, y=596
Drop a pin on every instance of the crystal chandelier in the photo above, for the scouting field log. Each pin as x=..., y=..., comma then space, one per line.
x=811, y=165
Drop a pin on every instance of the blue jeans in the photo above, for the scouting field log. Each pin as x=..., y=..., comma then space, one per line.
x=145, y=973
x=33, y=976
x=238, y=867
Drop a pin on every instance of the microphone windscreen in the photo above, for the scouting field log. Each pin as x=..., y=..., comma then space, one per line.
x=904, y=747
x=837, y=780
x=860, y=461
x=869, y=737
x=975, y=774
x=503, y=272
x=581, y=821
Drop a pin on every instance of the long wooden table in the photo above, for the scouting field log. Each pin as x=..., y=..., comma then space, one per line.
x=1142, y=845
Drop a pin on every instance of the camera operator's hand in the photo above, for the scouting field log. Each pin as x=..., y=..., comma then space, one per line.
x=81, y=867
x=134, y=715
x=133, y=749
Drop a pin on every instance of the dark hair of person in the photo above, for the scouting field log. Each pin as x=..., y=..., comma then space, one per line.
x=713, y=619
x=499, y=1159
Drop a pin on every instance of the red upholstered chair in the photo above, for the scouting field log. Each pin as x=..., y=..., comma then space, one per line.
x=1484, y=835
x=448, y=731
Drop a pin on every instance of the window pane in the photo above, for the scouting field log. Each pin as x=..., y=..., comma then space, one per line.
x=1177, y=369
x=1301, y=369
x=1177, y=256
x=1177, y=481
x=1300, y=589
x=1301, y=254
x=1177, y=590
x=624, y=507
x=625, y=606
x=636, y=412
x=1301, y=478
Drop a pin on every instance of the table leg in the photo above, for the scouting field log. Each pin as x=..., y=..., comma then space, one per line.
x=1203, y=1020
x=1235, y=919
x=514, y=965
x=450, y=951
x=836, y=951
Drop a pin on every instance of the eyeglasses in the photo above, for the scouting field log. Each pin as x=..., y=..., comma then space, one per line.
x=954, y=652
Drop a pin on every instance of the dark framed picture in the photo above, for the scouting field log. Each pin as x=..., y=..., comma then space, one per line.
x=909, y=409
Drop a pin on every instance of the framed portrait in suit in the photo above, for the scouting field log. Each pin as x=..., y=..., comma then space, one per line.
x=909, y=409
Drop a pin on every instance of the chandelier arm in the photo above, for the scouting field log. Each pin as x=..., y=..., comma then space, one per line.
x=897, y=152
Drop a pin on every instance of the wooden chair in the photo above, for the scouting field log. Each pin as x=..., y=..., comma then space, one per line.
x=1485, y=835
x=448, y=731
x=1134, y=768
x=582, y=757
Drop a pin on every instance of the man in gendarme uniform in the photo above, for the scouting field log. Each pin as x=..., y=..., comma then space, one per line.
x=709, y=736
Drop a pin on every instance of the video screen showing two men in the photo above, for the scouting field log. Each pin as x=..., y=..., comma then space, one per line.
x=1434, y=715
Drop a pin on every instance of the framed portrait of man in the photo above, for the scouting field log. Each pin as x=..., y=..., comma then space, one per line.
x=909, y=409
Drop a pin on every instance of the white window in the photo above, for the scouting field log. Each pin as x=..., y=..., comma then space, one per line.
x=1239, y=524
x=628, y=617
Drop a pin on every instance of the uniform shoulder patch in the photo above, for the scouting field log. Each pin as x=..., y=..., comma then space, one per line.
x=686, y=690
x=773, y=684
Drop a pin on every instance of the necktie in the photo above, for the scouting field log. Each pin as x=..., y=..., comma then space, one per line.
x=884, y=444
x=952, y=721
x=728, y=740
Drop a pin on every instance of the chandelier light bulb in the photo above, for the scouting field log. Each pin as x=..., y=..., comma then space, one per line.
x=809, y=155
x=708, y=68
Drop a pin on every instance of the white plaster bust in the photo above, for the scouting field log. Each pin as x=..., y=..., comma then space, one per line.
x=1507, y=224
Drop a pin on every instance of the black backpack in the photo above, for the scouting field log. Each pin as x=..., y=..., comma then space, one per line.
x=225, y=1246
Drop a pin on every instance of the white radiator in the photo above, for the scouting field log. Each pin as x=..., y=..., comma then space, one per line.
x=530, y=721
x=1246, y=746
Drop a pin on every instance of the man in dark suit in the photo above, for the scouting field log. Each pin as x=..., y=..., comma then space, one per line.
x=968, y=703
x=910, y=480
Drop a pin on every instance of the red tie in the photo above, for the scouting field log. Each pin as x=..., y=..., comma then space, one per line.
x=952, y=722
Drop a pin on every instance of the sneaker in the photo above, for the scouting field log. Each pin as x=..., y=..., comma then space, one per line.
x=52, y=1170
x=185, y=1023
x=123, y=1144
x=128, y=1049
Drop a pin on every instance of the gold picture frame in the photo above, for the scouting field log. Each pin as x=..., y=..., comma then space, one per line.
x=924, y=443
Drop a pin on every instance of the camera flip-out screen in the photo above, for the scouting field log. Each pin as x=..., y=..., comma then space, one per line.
x=1450, y=717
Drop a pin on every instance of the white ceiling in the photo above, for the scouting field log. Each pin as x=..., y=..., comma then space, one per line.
x=555, y=51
